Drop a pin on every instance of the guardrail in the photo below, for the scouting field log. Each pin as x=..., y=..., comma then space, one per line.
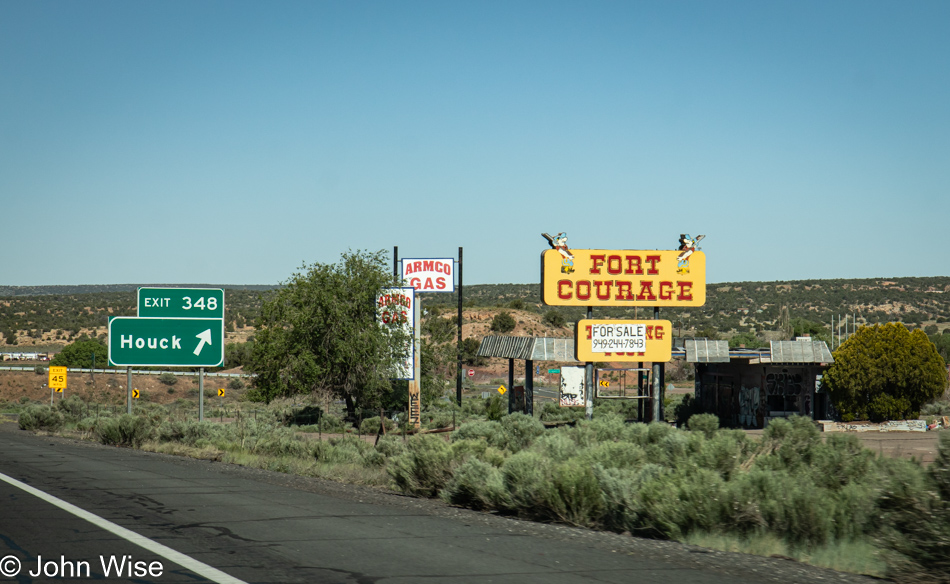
x=122, y=371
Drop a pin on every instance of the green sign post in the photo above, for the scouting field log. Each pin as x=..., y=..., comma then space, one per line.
x=181, y=302
x=166, y=342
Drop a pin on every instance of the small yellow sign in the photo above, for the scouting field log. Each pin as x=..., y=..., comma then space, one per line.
x=221, y=392
x=59, y=390
x=623, y=340
x=501, y=389
x=135, y=394
x=604, y=383
x=57, y=378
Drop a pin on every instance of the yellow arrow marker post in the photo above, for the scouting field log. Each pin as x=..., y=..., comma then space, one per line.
x=135, y=394
x=221, y=392
x=604, y=383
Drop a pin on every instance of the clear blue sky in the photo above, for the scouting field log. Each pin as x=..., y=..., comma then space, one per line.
x=230, y=142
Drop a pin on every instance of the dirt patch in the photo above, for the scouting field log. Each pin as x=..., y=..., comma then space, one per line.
x=108, y=388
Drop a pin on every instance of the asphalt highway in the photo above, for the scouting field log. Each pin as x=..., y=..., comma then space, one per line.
x=78, y=510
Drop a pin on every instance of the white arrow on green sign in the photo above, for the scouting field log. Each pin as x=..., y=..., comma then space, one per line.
x=166, y=342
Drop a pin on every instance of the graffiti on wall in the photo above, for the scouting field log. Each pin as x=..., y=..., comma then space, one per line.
x=749, y=403
x=784, y=383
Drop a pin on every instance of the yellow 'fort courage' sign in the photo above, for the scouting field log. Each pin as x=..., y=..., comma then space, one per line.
x=603, y=277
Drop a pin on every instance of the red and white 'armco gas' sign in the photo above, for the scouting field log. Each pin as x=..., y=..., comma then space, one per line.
x=436, y=275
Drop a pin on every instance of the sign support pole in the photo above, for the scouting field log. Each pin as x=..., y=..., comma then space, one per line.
x=128, y=390
x=511, y=385
x=589, y=378
x=640, y=393
x=657, y=414
x=201, y=394
x=458, y=381
x=415, y=384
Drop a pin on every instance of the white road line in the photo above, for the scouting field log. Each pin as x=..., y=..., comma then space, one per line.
x=200, y=568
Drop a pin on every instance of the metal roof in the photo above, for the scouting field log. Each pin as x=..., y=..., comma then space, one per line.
x=534, y=348
x=800, y=352
x=706, y=351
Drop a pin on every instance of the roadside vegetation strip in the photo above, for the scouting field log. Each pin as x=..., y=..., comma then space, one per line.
x=831, y=503
x=187, y=562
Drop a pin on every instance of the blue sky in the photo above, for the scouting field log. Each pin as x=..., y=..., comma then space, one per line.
x=230, y=142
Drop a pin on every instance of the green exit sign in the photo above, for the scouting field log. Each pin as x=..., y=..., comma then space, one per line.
x=166, y=342
x=181, y=302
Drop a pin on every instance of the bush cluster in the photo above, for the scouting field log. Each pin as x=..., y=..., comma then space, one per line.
x=658, y=481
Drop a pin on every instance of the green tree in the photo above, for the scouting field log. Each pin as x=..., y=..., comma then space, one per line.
x=320, y=333
x=503, y=323
x=470, y=346
x=748, y=339
x=885, y=372
x=554, y=318
x=80, y=354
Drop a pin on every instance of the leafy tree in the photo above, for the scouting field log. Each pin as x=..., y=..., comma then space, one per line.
x=503, y=323
x=748, y=339
x=470, y=356
x=942, y=342
x=802, y=327
x=885, y=372
x=237, y=354
x=79, y=354
x=554, y=318
x=320, y=333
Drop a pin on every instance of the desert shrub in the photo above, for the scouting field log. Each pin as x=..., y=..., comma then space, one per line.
x=168, y=378
x=615, y=455
x=390, y=446
x=235, y=383
x=282, y=442
x=554, y=318
x=495, y=408
x=346, y=450
x=520, y=430
x=371, y=425
x=601, y=428
x=794, y=441
x=937, y=408
x=686, y=409
x=477, y=485
x=705, y=423
x=552, y=412
x=187, y=432
x=41, y=418
x=125, y=430
x=39, y=370
x=72, y=407
x=503, y=323
x=425, y=467
x=724, y=452
x=490, y=431
x=557, y=446
x=916, y=506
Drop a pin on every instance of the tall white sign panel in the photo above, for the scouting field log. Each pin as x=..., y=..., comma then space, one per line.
x=572, y=387
x=398, y=305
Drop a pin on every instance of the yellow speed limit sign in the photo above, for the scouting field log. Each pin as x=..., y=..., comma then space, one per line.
x=57, y=377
